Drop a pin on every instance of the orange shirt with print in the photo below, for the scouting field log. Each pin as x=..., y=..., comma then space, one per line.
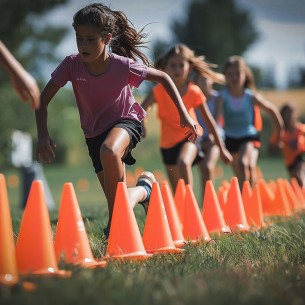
x=171, y=131
x=294, y=143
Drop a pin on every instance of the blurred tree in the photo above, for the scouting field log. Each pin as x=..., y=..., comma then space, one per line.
x=296, y=77
x=216, y=29
x=25, y=33
x=267, y=81
x=32, y=41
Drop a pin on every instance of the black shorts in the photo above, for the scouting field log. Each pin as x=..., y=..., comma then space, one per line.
x=170, y=155
x=294, y=165
x=233, y=145
x=134, y=129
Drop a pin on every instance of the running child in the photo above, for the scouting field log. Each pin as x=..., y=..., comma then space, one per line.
x=237, y=103
x=293, y=143
x=109, y=116
x=178, y=153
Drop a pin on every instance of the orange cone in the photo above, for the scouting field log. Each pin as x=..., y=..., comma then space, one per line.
x=272, y=185
x=34, y=249
x=298, y=191
x=71, y=242
x=179, y=199
x=172, y=215
x=293, y=200
x=194, y=229
x=253, y=205
x=246, y=193
x=157, y=236
x=267, y=197
x=125, y=240
x=8, y=266
x=234, y=212
x=211, y=211
x=281, y=203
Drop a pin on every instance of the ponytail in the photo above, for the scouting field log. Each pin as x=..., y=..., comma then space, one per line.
x=125, y=41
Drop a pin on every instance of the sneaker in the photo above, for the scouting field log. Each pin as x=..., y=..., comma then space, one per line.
x=146, y=179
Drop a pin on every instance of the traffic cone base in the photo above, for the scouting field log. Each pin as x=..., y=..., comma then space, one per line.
x=166, y=250
x=51, y=272
x=141, y=255
x=179, y=243
x=93, y=264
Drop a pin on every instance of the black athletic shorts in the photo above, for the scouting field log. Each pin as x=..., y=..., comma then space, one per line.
x=170, y=155
x=134, y=129
x=233, y=145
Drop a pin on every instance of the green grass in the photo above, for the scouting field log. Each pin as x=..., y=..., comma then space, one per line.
x=265, y=267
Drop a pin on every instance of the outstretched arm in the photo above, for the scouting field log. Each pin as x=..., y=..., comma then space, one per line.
x=45, y=146
x=161, y=77
x=272, y=110
x=211, y=124
x=22, y=81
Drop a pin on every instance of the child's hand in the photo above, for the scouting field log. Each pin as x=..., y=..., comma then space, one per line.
x=225, y=155
x=44, y=150
x=187, y=122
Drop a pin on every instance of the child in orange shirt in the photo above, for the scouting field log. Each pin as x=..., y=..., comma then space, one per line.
x=293, y=144
x=179, y=154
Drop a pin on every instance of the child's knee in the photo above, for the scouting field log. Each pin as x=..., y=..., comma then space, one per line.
x=108, y=153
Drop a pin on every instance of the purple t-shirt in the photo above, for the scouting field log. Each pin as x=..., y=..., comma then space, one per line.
x=105, y=99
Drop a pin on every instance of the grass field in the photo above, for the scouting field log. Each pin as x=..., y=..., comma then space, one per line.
x=259, y=267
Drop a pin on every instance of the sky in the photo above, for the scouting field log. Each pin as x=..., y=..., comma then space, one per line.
x=281, y=24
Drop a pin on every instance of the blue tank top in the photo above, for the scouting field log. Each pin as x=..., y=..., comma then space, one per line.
x=211, y=103
x=238, y=115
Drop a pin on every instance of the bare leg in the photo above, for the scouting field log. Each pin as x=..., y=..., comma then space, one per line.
x=253, y=164
x=186, y=158
x=241, y=162
x=208, y=164
x=173, y=175
x=114, y=148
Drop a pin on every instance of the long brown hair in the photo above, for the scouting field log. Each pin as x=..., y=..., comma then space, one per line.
x=236, y=60
x=125, y=41
x=198, y=64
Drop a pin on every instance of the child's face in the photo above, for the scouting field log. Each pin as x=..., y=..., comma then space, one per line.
x=89, y=42
x=235, y=76
x=177, y=68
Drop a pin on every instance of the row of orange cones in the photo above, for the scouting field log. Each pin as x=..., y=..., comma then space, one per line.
x=170, y=222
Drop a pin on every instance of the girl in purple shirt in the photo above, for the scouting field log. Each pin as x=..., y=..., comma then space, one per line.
x=109, y=116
